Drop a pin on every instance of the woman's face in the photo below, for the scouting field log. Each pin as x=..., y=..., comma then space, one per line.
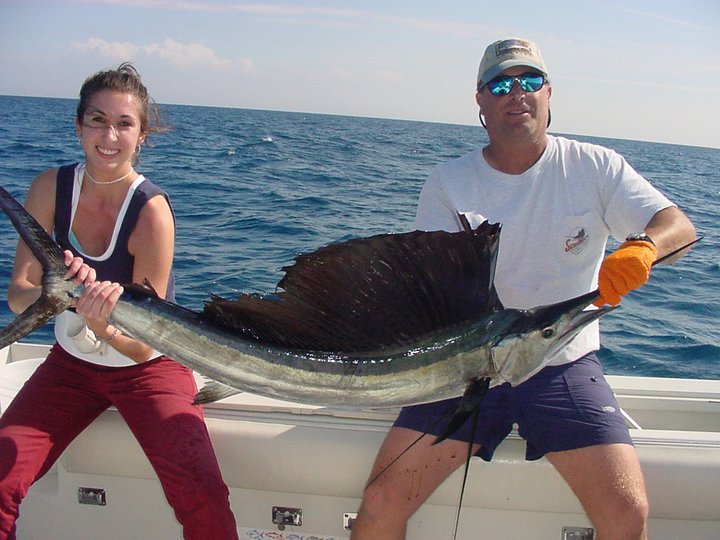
x=110, y=130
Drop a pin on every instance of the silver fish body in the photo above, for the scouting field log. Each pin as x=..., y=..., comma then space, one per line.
x=437, y=367
x=340, y=333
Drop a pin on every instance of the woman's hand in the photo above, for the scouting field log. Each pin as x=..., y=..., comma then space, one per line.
x=98, y=298
x=96, y=304
x=81, y=273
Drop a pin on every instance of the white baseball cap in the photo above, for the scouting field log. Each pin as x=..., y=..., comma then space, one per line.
x=507, y=53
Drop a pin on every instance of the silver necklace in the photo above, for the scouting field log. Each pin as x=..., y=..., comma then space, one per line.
x=110, y=181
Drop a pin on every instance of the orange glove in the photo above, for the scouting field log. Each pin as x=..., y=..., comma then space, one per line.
x=624, y=270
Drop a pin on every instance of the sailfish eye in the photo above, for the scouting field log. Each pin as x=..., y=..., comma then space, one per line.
x=548, y=332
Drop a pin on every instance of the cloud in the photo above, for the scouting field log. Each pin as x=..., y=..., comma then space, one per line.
x=106, y=48
x=646, y=84
x=389, y=75
x=169, y=50
x=671, y=20
x=180, y=54
x=341, y=73
x=307, y=14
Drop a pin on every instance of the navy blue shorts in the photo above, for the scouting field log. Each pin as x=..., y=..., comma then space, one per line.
x=561, y=408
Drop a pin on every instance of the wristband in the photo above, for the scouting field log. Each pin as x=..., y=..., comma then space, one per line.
x=108, y=339
x=640, y=237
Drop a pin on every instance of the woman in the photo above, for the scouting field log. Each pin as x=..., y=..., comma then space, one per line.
x=116, y=227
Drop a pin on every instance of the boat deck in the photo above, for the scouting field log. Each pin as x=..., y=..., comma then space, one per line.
x=280, y=455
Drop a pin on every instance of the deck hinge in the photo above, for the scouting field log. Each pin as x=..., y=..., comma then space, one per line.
x=283, y=516
x=94, y=496
x=577, y=533
x=348, y=520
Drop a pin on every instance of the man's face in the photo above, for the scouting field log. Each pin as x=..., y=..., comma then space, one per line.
x=519, y=113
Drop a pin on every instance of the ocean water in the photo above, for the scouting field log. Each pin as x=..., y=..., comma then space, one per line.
x=253, y=189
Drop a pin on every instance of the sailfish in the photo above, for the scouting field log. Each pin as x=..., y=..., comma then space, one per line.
x=389, y=320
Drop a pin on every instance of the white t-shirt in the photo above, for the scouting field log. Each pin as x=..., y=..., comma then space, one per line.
x=556, y=218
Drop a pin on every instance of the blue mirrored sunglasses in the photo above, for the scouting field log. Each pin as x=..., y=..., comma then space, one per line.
x=503, y=84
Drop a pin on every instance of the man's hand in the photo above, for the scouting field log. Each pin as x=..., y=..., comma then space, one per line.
x=624, y=270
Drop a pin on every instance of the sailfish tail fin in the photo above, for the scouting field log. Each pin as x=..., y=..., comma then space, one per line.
x=55, y=296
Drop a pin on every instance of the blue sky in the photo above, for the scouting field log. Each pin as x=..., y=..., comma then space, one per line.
x=629, y=69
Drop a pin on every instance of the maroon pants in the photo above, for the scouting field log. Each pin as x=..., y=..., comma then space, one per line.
x=66, y=394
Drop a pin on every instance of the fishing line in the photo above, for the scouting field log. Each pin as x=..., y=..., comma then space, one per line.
x=445, y=418
x=470, y=453
x=401, y=454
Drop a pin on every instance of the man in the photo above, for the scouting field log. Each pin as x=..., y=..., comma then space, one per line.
x=558, y=201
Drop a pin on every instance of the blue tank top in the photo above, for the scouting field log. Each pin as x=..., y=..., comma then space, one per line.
x=118, y=267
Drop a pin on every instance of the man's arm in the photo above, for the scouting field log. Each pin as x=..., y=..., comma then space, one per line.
x=670, y=230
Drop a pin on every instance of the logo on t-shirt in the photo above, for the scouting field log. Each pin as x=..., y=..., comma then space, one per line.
x=575, y=242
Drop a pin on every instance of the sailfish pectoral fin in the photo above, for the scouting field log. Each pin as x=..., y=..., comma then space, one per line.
x=469, y=403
